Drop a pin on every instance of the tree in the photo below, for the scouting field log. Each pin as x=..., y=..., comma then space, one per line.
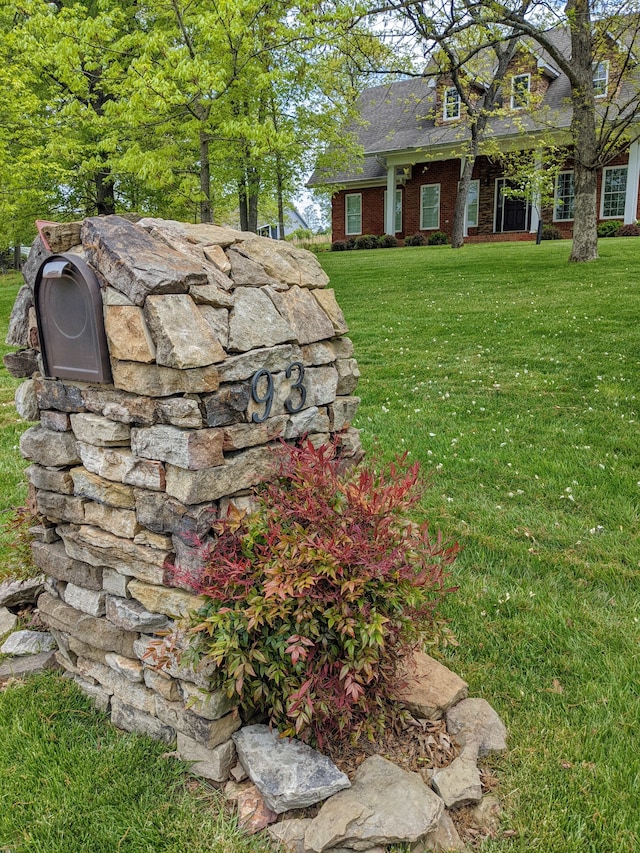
x=75, y=54
x=458, y=54
x=23, y=193
x=165, y=108
x=237, y=93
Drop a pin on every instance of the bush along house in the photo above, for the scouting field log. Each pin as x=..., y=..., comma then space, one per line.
x=414, y=135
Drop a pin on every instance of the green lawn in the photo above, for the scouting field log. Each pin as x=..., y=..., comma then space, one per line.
x=12, y=483
x=72, y=783
x=513, y=377
x=11, y=426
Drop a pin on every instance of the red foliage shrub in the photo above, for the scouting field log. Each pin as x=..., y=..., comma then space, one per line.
x=314, y=598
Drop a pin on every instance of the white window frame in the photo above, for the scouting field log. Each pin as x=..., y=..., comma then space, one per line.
x=556, y=208
x=423, y=192
x=448, y=102
x=397, y=219
x=348, y=197
x=470, y=222
x=518, y=94
x=599, y=78
x=622, y=194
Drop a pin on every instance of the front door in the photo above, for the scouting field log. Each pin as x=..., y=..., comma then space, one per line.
x=512, y=214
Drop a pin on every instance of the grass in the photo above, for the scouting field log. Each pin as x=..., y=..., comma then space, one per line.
x=13, y=489
x=72, y=783
x=513, y=377
x=11, y=425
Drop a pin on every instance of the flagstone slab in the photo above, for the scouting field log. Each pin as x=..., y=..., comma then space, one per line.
x=133, y=262
x=385, y=805
x=288, y=773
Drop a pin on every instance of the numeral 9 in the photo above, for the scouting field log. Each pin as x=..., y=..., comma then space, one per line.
x=266, y=398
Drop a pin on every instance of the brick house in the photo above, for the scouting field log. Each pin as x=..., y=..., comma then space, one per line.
x=413, y=136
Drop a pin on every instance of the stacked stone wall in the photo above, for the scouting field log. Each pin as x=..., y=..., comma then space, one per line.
x=221, y=344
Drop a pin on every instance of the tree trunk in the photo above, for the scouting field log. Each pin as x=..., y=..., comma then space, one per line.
x=103, y=178
x=583, y=128
x=279, y=176
x=460, y=210
x=105, y=201
x=478, y=115
x=585, y=220
x=253, y=190
x=242, y=204
x=280, y=194
x=206, y=213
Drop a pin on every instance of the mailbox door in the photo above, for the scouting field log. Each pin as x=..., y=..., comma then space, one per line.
x=68, y=306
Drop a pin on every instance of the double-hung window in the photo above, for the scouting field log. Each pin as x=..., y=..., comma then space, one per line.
x=353, y=209
x=614, y=192
x=520, y=89
x=600, y=78
x=397, y=211
x=472, y=204
x=429, y=206
x=451, y=103
x=563, y=203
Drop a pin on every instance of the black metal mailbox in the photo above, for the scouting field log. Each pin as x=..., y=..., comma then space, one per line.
x=68, y=306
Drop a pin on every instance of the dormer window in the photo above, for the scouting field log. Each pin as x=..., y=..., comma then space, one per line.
x=600, y=78
x=520, y=88
x=451, y=103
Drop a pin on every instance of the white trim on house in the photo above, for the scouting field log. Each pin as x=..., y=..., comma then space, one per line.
x=389, y=201
x=397, y=212
x=633, y=180
x=474, y=187
x=601, y=78
x=448, y=102
x=536, y=203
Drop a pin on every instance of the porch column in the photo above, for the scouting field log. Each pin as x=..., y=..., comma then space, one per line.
x=536, y=202
x=390, y=203
x=633, y=177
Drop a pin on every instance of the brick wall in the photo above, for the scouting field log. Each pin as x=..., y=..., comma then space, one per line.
x=447, y=173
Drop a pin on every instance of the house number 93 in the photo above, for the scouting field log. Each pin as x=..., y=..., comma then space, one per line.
x=262, y=391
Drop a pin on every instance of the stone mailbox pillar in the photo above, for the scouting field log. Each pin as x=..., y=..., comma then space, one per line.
x=220, y=344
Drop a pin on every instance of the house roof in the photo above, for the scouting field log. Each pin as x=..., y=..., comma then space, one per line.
x=398, y=119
